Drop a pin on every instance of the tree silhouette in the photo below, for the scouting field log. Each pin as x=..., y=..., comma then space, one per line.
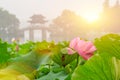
x=9, y=25
x=66, y=26
x=109, y=18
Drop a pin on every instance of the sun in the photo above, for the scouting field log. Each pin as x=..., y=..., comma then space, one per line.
x=91, y=17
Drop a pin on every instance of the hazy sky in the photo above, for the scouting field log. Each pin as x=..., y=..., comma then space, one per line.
x=23, y=9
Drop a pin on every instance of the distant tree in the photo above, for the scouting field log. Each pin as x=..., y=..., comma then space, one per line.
x=9, y=25
x=66, y=26
x=110, y=17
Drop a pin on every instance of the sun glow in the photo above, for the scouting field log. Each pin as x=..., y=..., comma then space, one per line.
x=91, y=17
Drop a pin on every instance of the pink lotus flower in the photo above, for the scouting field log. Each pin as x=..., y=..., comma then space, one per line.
x=84, y=48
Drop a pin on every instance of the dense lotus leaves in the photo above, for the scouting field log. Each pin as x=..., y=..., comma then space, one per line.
x=54, y=76
x=60, y=55
x=27, y=64
x=43, y=47
x=26, y=47
x=4, y=54
x=109, y=43
x=6, y=74
x=24, y=64
x=31, y=61
x=99, y=67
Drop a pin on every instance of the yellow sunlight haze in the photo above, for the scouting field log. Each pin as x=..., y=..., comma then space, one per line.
x=91, y=17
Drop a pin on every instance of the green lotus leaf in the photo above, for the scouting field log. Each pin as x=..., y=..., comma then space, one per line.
x=99, y=67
